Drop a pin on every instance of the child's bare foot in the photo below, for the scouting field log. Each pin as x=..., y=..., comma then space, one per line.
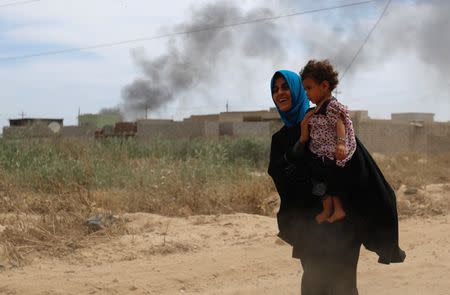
x=336, y=216
x=322, y=216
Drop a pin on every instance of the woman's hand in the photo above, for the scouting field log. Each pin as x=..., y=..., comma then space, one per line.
x=341, y=151
x=304, y=127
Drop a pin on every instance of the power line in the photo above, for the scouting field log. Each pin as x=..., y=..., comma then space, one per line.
x=366, y=39
x=203, y=29
x=18, y=3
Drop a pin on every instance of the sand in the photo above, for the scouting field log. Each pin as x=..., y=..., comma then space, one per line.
x=225, y=254
x=233, y=254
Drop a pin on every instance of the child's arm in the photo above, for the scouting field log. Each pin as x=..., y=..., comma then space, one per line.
x=341, y=150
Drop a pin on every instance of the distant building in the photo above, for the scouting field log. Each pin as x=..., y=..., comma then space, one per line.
x=359, y=115
x=251, y=116
x=99, y=120
x=404, y=133
x=27, y=122
x=32, y=127
x=413, y=117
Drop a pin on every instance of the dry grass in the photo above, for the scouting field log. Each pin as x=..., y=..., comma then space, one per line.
x=415, y=170
x=54, y=235
x=48, y=189
x=167, y=249
x=60, y=184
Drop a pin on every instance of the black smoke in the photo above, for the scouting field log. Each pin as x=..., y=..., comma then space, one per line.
x=408, y=27
x=195, y=60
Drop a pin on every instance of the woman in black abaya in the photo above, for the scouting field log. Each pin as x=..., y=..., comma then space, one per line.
x=328, y=252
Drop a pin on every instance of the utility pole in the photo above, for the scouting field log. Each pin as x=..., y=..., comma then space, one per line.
x=336, y=92
x=226, y=106
x=22, y=114
x=79, y=114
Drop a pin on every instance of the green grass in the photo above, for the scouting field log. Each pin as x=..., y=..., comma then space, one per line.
x=39, y=165
x=167, y=177
x=199, y=176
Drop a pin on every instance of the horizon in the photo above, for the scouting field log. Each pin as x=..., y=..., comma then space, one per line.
x=209, y=114
x=390, y=63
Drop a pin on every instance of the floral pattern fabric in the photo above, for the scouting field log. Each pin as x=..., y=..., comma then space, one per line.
x=323, y=135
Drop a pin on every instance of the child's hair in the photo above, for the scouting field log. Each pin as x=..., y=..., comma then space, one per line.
x=319, y=71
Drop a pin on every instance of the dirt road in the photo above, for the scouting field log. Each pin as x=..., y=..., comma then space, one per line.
x=226, y=254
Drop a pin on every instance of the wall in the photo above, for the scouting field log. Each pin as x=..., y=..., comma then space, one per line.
x=78, y=131
x=382, y=136
x=385, y=136
x=34, y=131
x=202, y=118
x=438, y=138
x=390, y=137
x=410, y=117
x=176, y=130
x=245, y=129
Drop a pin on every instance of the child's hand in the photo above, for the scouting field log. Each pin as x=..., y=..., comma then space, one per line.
x=341, y=151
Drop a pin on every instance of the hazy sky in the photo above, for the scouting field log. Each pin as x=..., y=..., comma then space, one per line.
x=404, y=67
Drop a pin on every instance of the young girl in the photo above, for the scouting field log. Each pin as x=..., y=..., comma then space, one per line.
x=331, y=138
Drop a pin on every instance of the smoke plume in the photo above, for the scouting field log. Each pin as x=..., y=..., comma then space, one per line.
x=194, y=61
x=420, y=28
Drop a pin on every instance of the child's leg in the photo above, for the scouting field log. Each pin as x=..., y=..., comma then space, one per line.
x=327, y=204
x=339, y=212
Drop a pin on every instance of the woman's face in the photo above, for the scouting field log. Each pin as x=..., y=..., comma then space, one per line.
x=281, y=94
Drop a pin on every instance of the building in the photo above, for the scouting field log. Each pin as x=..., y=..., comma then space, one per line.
x=27, y=122
x=33, y=127
x=404, y=133
x=250, y=116
x=413, y=117
x=99, y=120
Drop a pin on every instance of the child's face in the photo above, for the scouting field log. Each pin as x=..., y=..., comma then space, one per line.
x=316, y=92
x=281, y=94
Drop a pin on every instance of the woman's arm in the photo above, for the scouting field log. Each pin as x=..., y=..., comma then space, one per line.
x=296, y=154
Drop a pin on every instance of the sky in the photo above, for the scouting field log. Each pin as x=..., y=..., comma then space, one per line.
x=403, y=67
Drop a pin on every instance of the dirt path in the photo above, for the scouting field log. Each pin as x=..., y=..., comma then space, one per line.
x=226, y=254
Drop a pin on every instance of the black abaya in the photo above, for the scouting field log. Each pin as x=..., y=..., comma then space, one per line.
x=329, y=252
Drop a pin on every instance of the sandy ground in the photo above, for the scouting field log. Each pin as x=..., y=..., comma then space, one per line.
x=224, y=254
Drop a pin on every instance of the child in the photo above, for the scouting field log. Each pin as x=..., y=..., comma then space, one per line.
x=331, y=138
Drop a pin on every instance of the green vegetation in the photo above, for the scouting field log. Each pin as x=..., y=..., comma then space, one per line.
x=180, y=177
x=169, y=177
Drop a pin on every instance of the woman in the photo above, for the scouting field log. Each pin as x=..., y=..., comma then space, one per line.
x=328, y=252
